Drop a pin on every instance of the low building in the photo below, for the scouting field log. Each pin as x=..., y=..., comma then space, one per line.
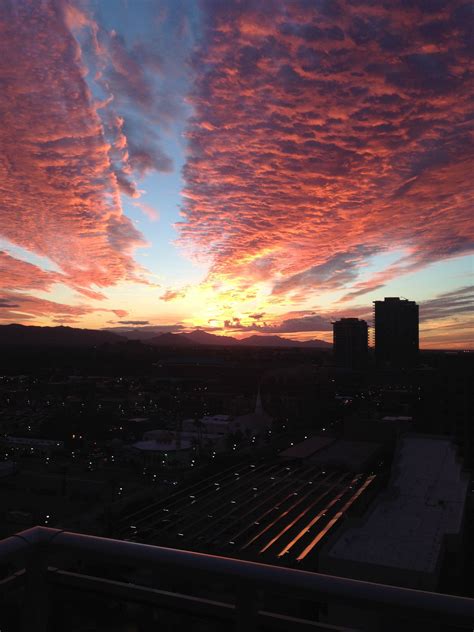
x=307, y=448
x=209, y=424
x=255, y=422
x=222, y=425
x=355, y=456
x=35, y=446
x=405, y=535
x=162, y=448
x=7, y=468
x=384, y=430
x=408, y=533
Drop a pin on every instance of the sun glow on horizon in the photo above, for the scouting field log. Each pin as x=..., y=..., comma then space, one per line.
x=268, y=181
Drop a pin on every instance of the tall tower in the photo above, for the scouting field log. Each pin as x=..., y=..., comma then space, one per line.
x=396, y=332
x=350, y=337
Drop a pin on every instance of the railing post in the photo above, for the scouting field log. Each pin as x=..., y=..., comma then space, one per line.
x=35, y=613
x=246, y=609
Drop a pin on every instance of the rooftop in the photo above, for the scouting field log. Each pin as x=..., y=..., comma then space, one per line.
x=162, y=446
x=354, y=455
x=267, y=511
x=424, y=502
x=306, y=448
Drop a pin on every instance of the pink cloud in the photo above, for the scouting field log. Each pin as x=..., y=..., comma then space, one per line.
x=21, y=307
x=60, y=194
x=148, y=210
x=324, y=134
x=66, y=155
x=16, y=274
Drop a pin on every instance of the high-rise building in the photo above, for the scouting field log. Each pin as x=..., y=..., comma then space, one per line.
x=396, y=332
x=350, y=343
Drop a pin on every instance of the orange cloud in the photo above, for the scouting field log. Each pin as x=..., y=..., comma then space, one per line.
x=325, y=133
x=60, y=194
x=68, y=154
x=20, y=307
x=172, y=295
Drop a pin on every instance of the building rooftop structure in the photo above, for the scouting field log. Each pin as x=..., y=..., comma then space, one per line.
x=306, y=448
x=273, y=510
x=355, y=456
x=7, y=468
x=255, y=421
x=153, y=445
x=386, y=430
x=402, y=540
x=213, y=424
x=32, y=442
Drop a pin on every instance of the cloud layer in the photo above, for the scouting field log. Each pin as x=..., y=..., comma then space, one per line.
x=81, y=109
x=447, y=313
x=326, y=132
x=58, y=186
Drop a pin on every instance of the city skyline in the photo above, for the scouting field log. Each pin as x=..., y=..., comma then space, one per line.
x=240, y=167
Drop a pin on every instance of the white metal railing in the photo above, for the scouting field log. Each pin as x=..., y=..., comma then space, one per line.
x=39, y=553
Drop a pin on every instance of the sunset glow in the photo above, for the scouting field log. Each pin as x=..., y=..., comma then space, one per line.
x=239, y=166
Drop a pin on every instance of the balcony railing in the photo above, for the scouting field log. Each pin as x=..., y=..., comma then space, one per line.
x=42, y=557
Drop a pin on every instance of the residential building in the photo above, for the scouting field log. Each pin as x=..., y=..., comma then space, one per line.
x=396, y=332
x=350, y=343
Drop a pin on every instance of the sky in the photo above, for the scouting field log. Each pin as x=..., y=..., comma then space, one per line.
x=242, y=166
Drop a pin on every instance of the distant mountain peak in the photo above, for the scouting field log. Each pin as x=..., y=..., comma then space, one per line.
x=272, y=340
x=200, y=336
x=170, y=340
x=203, y=337
x=33, y=335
